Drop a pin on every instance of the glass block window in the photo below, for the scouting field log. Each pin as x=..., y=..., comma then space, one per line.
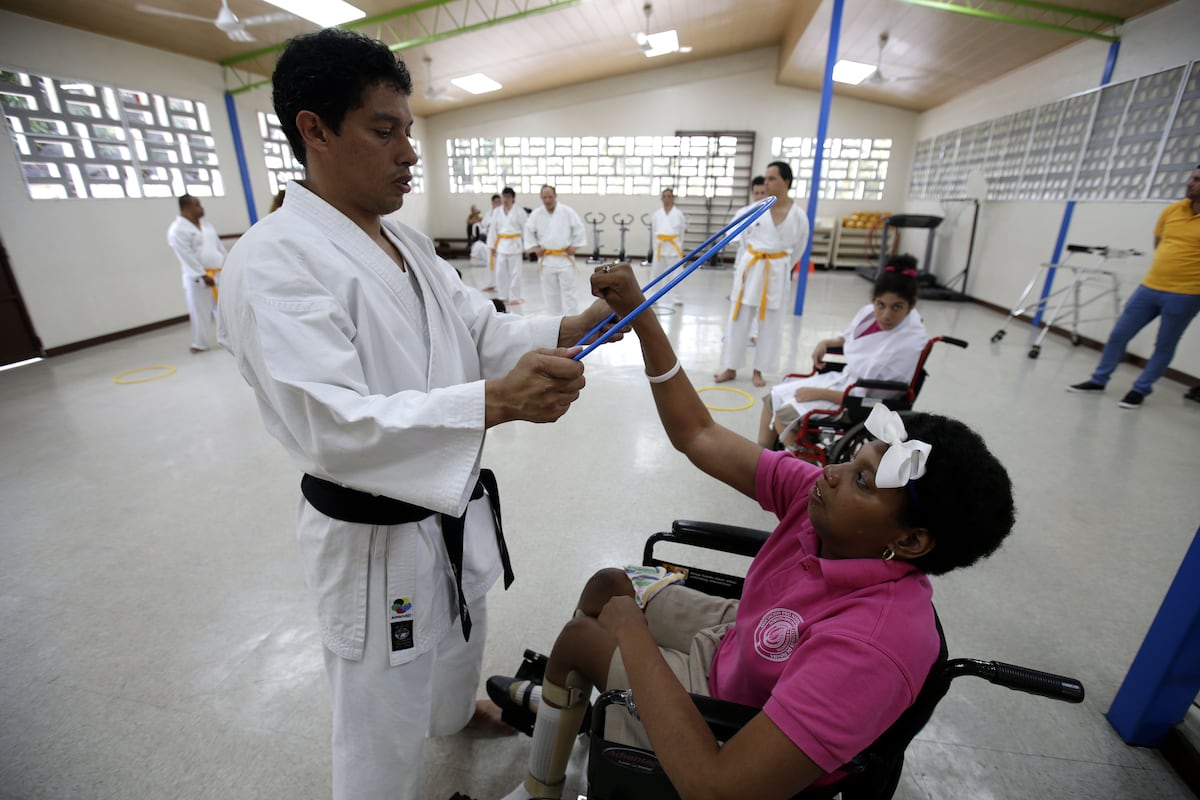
x=76, y=139
x=694, y=166
x=852, y=169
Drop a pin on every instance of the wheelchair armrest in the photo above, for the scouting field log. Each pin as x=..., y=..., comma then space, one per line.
x=711, y=535
x=1023, y=679
x=724, y=718
x=951, y=340
x=890, y=386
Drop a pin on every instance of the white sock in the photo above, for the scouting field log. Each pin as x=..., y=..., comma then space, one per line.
x=517, y=691
x=545, y=734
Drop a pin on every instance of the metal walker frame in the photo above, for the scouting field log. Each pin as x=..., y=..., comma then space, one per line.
x=1083, y=275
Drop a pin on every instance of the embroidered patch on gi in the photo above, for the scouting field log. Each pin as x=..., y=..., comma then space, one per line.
x=777, y=634
x=401, y=619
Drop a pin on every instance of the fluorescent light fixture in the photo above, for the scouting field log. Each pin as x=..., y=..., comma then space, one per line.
x=851, y=72
x=16, y=364
x=660, y=44
x=478, y=83
x=325, y=13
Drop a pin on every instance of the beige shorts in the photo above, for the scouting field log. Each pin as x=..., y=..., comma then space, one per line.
x=688, y=627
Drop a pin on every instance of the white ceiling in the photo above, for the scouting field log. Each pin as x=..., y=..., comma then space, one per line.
x=940, y=54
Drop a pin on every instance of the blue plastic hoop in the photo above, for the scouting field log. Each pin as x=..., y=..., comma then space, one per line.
x=738, y=225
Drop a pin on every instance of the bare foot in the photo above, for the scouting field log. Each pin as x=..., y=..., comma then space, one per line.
x=516, y=302
x=488, y=289
x=757, y=380
x=727, y=375
x=486, y=720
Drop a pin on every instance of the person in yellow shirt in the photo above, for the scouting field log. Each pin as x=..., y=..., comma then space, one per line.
x=1171, y=289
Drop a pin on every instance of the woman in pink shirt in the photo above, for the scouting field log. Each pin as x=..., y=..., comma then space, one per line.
x=834, y=634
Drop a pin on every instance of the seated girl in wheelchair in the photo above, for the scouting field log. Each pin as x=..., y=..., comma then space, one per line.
x=883, y=342
x=835, y=631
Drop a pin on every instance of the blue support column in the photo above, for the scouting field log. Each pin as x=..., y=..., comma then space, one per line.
x=835, y=29
x=231, y=109
x=1165, y=675
x=1069, y=211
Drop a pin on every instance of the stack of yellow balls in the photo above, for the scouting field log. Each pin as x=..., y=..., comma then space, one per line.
x=865, y=219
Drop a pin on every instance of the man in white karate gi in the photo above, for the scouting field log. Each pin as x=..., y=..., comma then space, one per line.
x=201, y=254
x=668, y=225
x=554, y=233
x=505, y=232
x=380, y=372
x=773, y=243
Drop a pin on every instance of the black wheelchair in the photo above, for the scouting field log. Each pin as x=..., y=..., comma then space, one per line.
x=619, y=771
x=834, y=435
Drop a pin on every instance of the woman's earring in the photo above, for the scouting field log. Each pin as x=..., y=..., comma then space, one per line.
x=888, y=554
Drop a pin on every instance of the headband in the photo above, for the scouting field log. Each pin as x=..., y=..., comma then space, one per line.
x=904, y=460
x=907, y=272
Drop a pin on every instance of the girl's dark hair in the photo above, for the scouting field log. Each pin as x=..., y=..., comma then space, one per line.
x=964, y=499
x=898, y=276
x=327, y=73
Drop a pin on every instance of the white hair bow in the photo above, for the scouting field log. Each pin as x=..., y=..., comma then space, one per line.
x=904, y=460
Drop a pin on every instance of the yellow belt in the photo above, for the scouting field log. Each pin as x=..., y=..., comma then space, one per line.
x=213, y=273
x=492, y=255
x=673, y=239
x=554, y=252
x=767, y=257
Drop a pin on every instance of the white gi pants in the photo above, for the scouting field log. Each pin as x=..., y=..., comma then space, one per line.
x=201, y=306
x=383, y=714
x=737, y=336
x=508, y=276
x=559, y=285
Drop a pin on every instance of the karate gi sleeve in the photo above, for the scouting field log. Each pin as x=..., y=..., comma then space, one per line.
x=188, y=248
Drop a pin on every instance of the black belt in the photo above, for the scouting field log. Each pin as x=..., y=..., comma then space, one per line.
x=351, y=505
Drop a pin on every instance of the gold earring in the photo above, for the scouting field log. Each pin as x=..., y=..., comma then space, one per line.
x=888, y=554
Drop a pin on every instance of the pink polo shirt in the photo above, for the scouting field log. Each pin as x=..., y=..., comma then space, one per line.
x=832, y=650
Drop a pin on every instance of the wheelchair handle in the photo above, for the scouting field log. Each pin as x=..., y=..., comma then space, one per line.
x=951, y=340
x=714, y=535
x=1023, y=679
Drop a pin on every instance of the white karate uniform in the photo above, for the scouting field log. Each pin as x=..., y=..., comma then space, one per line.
x=668, y=230
x=554, y=233
x=760, y=284
x=881, y=356
x=505, y=232
x=198, y=249
x=480, y=254
x=373, y=377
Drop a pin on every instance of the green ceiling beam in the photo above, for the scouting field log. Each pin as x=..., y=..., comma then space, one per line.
x=1032, y=14
x=423, y=23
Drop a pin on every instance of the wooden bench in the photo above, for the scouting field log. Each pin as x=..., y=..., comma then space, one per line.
x=452, y=247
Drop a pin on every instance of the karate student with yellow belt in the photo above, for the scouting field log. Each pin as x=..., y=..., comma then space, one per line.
x=555, y=232
x=772, y=245
x=504, y=239
x=668, y=225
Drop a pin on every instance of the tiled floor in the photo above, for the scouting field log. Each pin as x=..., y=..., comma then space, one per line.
x=156, y=640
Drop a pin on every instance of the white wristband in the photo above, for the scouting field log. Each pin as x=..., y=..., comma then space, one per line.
x=666, y=376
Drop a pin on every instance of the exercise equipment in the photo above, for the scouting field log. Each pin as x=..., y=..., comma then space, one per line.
x=595, y=218
x=926, y=280
x=622, y=221
x=1083, y=276
x=738, y=225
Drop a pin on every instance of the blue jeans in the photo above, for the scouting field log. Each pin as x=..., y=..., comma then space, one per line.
x=1176, y=310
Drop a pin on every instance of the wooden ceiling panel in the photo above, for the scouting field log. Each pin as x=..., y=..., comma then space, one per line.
x=948, y=53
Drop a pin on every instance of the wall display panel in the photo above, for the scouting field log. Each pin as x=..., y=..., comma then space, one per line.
x=77, y=139
x=1134, y=140
x=851, y=169
x=1181, y=149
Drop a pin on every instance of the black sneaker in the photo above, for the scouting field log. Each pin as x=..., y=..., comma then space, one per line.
x=1086, y=386
x=1192, y=394
x=1132, y=399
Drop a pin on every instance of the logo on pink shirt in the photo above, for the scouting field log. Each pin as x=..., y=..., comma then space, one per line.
x=777, y=633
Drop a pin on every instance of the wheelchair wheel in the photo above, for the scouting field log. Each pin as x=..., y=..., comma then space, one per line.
x=845, y=448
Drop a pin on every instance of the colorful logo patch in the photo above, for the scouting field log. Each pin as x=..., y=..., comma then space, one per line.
x=401, y=605
x=777, y=634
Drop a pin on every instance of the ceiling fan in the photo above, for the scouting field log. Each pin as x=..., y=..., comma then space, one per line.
x=877, y=77
x=226, y=21
x=433, y=93
x=657, y=44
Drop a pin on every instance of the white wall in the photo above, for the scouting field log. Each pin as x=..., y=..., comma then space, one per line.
x=732, y=93
x=1016, y=236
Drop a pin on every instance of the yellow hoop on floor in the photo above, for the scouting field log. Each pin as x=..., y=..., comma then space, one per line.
x=747, y=395
x=169, y=373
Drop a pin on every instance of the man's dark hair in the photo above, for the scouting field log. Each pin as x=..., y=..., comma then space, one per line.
x=185, y=200
x=495, y=197
x=327, y=73
x=759, y=180
x=508, y=192
x=785, y=171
